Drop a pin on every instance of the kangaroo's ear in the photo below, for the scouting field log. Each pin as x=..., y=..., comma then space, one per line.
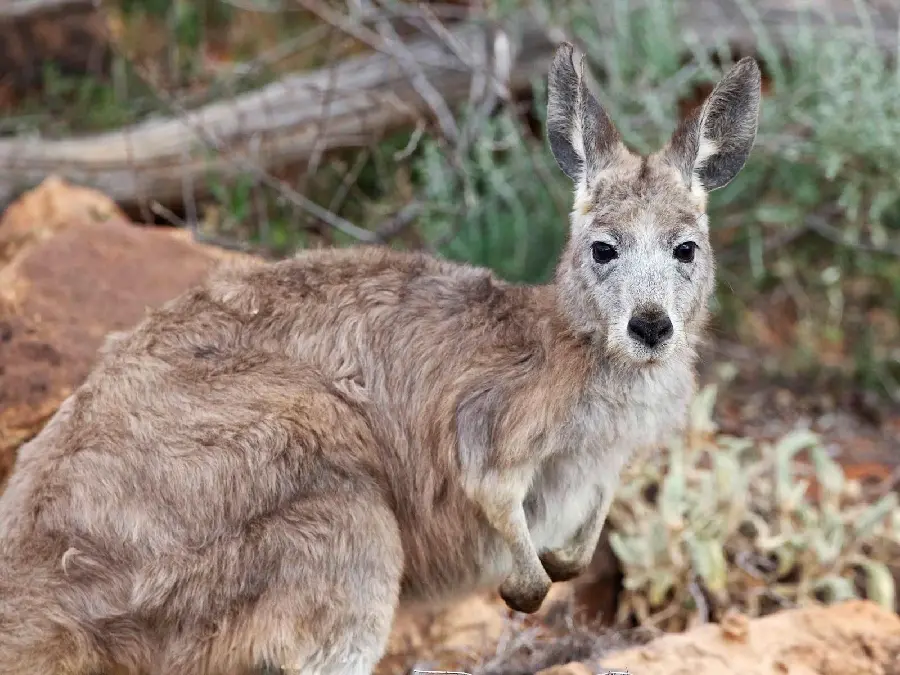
x=712, y=144
x=581, y=135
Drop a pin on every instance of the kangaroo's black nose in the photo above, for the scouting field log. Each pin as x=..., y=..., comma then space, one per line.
x=650, y=328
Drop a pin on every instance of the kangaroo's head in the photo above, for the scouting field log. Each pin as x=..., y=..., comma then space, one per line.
x=638, y=269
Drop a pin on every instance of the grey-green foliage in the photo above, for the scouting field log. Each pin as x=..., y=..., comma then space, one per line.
x=754, y=524
x=503, y=205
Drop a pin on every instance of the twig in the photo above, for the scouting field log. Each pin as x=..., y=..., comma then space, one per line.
x=299, y=200
x=365, y=35
x=283, y=50
x=387, y=41
x=331, y=90
x=425, y=89
x=326, y=216
x=440, y=31
x=163, y=212
x=699, y=600
x=348, y=180
x=399, y=221
x=226, y=243
x=413, y=142
x=445, y=11
x=481, y=111
x=821, y=226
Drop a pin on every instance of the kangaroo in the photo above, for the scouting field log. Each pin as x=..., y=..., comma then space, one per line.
x=265, y=468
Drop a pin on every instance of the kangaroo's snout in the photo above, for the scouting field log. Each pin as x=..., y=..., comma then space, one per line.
x=650, y=327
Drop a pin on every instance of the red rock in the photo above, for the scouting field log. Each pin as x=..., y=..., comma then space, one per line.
x=60, y=295
x=857, y=637
x=51, y=207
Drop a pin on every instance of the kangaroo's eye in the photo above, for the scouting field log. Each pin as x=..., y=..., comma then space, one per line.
x=603, y=252
x=685, y=252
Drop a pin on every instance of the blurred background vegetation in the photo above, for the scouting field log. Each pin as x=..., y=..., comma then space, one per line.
x=808, y=235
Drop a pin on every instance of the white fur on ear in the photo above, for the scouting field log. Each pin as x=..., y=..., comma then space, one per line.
x=707, y=148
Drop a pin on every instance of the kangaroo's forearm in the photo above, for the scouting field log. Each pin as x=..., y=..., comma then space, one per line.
x=571, y=559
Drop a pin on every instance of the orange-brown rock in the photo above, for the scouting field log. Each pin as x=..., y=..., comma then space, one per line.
x=573, y=668
x=48, y=208
x=68, y=283
x=858, y=637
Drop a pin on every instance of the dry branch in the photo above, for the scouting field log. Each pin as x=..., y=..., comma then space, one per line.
x=354, y=102
x=345, y=105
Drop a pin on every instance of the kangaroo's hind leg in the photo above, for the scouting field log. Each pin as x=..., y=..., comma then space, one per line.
x=38, y=635
x=315, y=586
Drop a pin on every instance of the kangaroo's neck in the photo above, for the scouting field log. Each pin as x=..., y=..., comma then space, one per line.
x=581, y=388
x=579, y=353
x=563, y=332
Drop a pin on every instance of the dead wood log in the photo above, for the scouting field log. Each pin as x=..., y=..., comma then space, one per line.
x=353, y=102
x=345, y=105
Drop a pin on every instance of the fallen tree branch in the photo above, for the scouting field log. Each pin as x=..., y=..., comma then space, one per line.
x=347, y=105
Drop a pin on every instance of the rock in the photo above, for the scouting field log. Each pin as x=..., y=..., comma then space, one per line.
x=573, y=668
x=857, y=637
x=50, y=207
x=735, y=626
x=475, y=623
x=68, y=284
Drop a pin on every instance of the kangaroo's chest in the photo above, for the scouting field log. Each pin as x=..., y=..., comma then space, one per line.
x=587, y=455
x=580, y=475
